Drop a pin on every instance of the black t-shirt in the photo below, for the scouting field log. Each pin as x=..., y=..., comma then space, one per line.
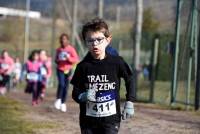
x=104, y=77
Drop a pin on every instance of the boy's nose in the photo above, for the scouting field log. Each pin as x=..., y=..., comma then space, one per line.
x=95, y=43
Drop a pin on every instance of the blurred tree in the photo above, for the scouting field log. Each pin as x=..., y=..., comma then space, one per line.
x=12, y=34
x=150, y=28
x=149, y=23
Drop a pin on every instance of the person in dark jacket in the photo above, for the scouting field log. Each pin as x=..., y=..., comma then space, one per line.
x=96, y=83
x=111, y=50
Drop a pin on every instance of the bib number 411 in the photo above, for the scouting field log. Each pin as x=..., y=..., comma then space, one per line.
x=101, y=109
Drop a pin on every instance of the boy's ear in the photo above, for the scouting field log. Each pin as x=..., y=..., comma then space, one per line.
x=109, y=38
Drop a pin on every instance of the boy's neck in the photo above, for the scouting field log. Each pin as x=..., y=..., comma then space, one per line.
x=100, y=57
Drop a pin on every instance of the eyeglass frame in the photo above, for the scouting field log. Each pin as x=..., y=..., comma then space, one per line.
x=95, y=41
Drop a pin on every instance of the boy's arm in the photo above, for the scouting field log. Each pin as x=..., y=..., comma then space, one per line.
x=75, y=94
x=76, y=81
x=81, y=96
x=128, y=76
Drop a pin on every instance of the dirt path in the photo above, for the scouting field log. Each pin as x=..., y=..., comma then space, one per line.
x=147, y=120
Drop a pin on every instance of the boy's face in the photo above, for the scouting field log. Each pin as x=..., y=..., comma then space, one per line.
x=96, y=42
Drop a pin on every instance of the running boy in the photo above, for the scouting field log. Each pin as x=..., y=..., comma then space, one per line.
x=96, y=83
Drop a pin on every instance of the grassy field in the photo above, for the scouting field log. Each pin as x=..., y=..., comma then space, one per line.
x=162, y=94
x=12, y=119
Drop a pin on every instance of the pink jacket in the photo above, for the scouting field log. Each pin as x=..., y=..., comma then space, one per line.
x=33, y=71
x=32, y=66
x=6, y=65
x=47, y=64
x=66, y=57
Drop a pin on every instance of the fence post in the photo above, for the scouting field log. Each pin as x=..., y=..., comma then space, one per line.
x=27, y=25
x=137, y=40
x=100, y=8
x=53, y=36
x=191, y=56
x=154, y=61
x=74, y=21
x=175, y=62
x=197, y=91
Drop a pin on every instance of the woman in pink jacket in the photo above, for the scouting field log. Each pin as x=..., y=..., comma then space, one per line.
x=66, y=57
x=6, y=68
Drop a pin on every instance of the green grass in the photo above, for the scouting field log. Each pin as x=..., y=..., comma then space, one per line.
x=12, y=121
x=162, y=94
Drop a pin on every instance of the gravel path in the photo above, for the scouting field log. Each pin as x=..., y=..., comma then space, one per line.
x=147, y=120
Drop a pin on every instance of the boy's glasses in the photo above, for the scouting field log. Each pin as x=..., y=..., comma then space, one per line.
x=95, y=41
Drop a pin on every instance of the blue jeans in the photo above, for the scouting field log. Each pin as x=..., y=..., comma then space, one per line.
x=63, y=84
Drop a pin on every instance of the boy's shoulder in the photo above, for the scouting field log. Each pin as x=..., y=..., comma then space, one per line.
x=85, y=60
x=113, y=59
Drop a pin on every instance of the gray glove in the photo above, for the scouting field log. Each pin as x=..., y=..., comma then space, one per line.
x=89, y=95
x=128, y=111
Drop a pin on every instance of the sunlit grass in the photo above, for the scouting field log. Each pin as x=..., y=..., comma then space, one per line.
x=12, y=121
x=162, y=94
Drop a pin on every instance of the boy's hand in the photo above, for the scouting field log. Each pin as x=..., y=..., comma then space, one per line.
x=128, y=111
x=89, y=95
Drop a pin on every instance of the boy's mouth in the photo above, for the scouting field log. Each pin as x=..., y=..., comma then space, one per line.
x=95, y=50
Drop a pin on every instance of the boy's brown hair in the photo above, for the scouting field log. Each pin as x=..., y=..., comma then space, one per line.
x=95, y=25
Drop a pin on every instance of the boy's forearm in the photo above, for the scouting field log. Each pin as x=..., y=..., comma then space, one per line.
x=130, y=89
x=75, y=93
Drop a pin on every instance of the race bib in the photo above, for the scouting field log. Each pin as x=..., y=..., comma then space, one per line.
x=62, y=56
x=104, y=105
x=43, y=71
x=33, y=76
x=4, y=66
